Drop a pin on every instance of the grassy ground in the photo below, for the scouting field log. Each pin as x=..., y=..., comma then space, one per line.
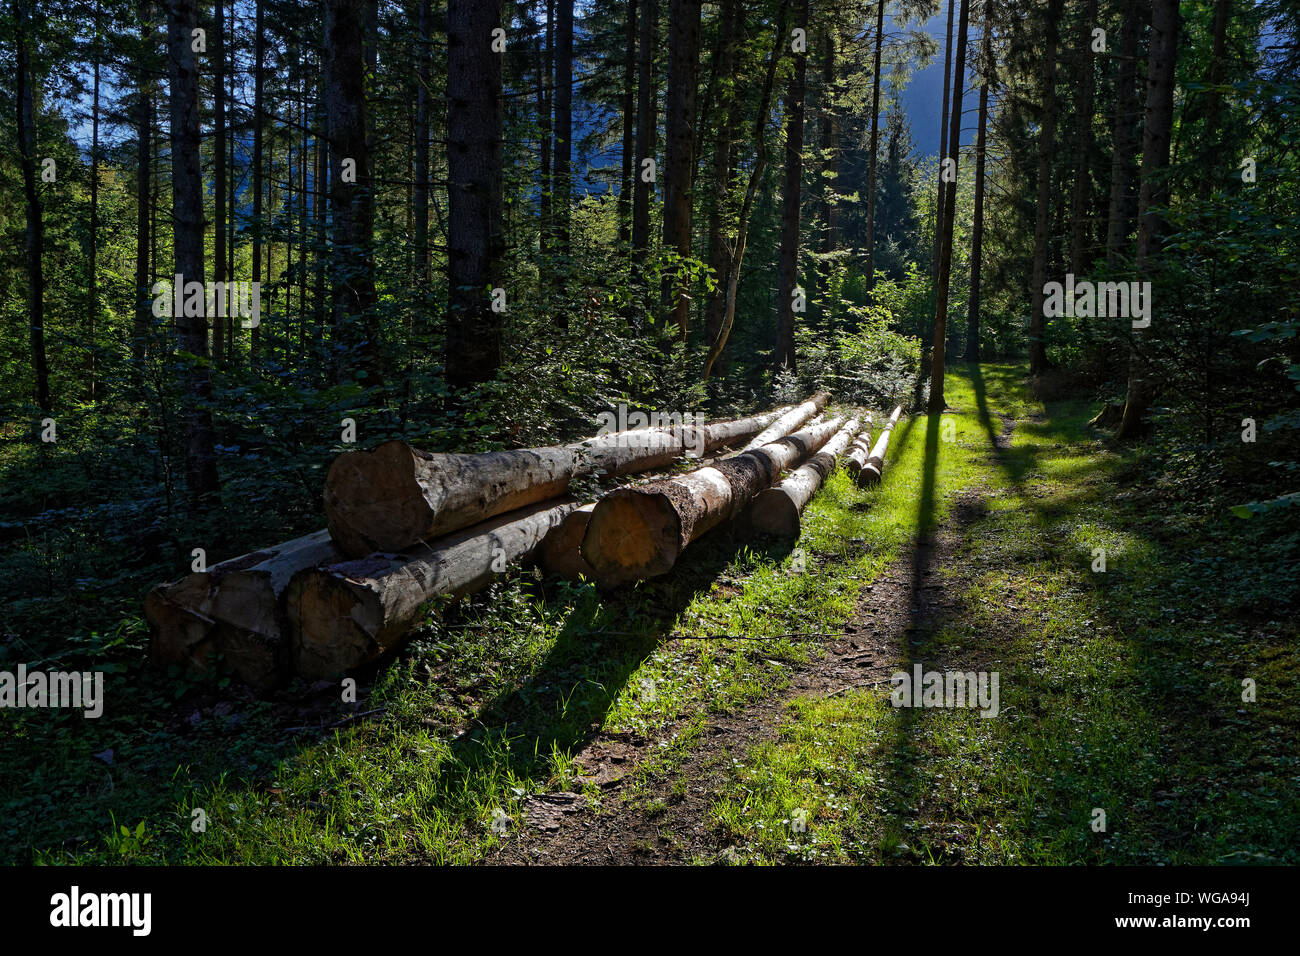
x=1118, y=690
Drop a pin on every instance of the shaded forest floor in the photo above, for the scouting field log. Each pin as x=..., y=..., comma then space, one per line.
x=548, y=723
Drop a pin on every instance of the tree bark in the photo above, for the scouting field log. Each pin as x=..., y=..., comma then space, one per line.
x=789, y=421
x=92, y=253
x=140, y=331
x=1154, y=189
x=869, y=267
x=724, y=165
x=629, y=126
x=561, y=172
x=937, y=357
x=259, y=91
x=34, y=245
x=783, y=355
x=395, y=496
x=977, y=226
x=1080, y=220
x=475, y=219
x=1043, y=207
x=874, y=466
x=420, y=194
x=639, y=531
x=1122, y=131
x=679, y=161
x=647, y=126
x=187, y=245
x=219, y=173
x=943, y=143
x=343, y=615
x=231, y=616
x=777, y=510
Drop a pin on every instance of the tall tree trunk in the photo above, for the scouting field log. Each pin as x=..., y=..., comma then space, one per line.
x=724, y=164
x=977, y=227
x=1080, y=220
x=1214, y=102
x=561, y=171
x=143, y=176
x=475, y=228
x=1154, y=189
x=356, y=326
x=92, y=254
x=546, y=102
x=219, y=173
x=34, y=246
x=259, y=55
x=187, y=245
x=420, y=195
x=1122, y=131
x=629, y=126
x=779, y=41
x=783, y=356
x=830, y=142
x=1043, y=208
x=937, y=403
x=679, y=161
x=647, y=126
x=943, y=144
x=870, y=267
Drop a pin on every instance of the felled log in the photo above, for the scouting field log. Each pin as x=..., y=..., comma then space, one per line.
x=858, y=453
x=395, y=496
x=875, y=463
x=230, y=617
x=788, y=422
x=347, y=613
x=561, y=551
x=638, y=531
x=776, y=511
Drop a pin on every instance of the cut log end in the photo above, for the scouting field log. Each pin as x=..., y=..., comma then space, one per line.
x=561, y=551
x=775, y=514
x=324, y=605
x=633, y=534
x=373, y=500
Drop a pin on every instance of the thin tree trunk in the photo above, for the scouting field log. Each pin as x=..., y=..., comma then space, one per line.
x=679, y=161
x=830, y=141
x=977, y=227
x=723, y=170
x=870, y=267
x=560, y=168
x=420, y=195
x=34, y=248
x=647, y=127
x=937, y=403
x=943, y=144
x=1122, y=131
x=92, y=257
x=475, y=233
x=144, y=165
x=629, y=127
x=187, y=245
x=1214, y=102
x=219, y=174
x=259, y=55
x=783, y=355
x=1081, y=192
x=1043, y=208
x=1155, y=188
x=546, y=96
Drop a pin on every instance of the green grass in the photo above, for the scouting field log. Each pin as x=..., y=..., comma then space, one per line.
x=1120, y=691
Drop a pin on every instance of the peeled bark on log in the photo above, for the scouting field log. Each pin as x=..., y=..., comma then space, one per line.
x=639, y=531
x=561, y=552
x=875, y=465
x=395, y=496
x=788, y=422
x=859, y=452
x=230, y=616
x=777, y=510
x=348, y=613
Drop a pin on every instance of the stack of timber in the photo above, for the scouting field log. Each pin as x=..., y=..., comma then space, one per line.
x=230, y=618
x=638, y=532
x=395, y=496
x=859, y=451
x=777, y=510
x=875, y=463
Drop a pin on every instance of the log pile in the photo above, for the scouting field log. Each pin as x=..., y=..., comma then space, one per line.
x=875, y=463
x=638, y=532
x=777, y=510
x=407, y=527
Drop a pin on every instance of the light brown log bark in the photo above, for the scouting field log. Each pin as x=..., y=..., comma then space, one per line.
x=875, y=463
x=639, y=531
x=394, y=496
x=345, y=614
x=230, y=617
x=777, y=510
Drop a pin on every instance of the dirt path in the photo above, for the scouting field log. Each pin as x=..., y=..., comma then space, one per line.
x=669, y=819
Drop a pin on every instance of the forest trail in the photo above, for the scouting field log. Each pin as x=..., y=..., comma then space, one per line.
x=657, y=811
